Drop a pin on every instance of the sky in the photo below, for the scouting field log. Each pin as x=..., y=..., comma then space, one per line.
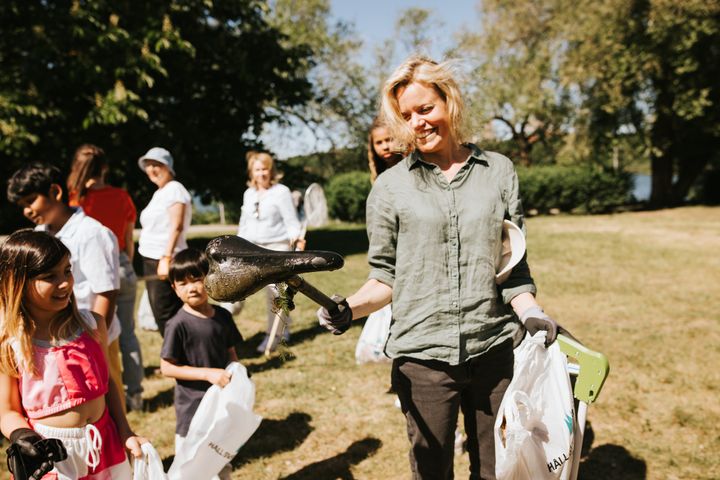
x=373, y=21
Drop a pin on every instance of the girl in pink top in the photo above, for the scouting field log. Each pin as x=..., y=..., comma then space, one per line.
x=54, y=380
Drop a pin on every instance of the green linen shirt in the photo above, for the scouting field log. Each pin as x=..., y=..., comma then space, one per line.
x=436, y=243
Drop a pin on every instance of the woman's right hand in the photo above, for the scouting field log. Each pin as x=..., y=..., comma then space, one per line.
x=339, y=320
x=163, y=267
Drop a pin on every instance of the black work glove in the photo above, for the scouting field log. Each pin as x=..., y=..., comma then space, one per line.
x=30, y=456
x=338, y=321
x=535, y=320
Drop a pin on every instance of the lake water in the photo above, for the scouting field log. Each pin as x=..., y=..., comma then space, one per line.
x=641, y=187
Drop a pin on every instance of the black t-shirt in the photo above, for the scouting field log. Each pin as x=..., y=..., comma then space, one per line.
x=197, y=342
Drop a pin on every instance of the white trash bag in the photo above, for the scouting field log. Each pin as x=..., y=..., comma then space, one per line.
x=149, y=466
x=371, y=344
x=535, y=425
x=145, y=317
x=222, y=424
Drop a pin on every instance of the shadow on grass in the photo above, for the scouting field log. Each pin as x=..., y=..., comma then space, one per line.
x=608, y=462
x=280, y=357
x=345, y=241
x=612, y=462
x=339, y=465
x=248, y=349
x=161, y=400
x=274, y=436
x=151, y=371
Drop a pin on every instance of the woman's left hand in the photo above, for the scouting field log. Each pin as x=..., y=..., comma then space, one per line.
x=133, y=442
x=299, y=244
x=163, y=268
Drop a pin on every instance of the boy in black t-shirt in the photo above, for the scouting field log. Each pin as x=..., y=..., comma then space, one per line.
x=199, y=342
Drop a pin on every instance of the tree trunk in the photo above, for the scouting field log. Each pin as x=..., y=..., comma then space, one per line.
x=661, y=183
x=690, y=167
x=662, y=158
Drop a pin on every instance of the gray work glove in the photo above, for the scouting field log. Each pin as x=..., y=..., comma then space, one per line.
x=338, y=321
x=535, y=320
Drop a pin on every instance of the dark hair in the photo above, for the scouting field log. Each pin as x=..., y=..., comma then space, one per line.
x=36, y=177
x=88, y=162
x=31, y=253
x=188, y=263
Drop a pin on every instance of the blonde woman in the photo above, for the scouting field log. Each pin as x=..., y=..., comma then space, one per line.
x=269, y=219
x=434, y=223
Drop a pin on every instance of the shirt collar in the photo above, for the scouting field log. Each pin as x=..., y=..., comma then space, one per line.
x=476, y=155
x=72, y=224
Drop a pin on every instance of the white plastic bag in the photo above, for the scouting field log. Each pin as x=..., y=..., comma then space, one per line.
x=372, y=339
x=145, y=317
x=149, y=466
x=534, y=428
x=222, y=424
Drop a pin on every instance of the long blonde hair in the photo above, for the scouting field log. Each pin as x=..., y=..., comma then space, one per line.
x=267, y=161
x=376, y=164
x=439, y=76
x=23, y=256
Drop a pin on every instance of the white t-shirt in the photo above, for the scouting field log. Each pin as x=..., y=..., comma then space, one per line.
x=94, y=261
x=268, y=217
x=155, y=220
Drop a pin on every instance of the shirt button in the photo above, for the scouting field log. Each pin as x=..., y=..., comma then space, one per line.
x=454, y=304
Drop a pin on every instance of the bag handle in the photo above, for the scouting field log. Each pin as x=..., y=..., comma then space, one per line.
x=149, y=466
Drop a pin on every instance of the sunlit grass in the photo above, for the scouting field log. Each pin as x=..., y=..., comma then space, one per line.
x=643, y=288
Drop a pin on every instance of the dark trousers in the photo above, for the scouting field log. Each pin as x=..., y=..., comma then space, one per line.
x=163, y=301
x=432, y=393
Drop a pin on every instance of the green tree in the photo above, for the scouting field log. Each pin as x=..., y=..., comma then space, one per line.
x=343, y=101
x=612, y=78
x=514, y=80
x=191, y=75
x=651, y=67
x=346, y=86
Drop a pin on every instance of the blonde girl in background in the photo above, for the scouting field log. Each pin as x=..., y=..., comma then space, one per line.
x=382, y=151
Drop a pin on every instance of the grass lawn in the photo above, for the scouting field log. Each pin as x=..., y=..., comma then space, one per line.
x=643, y=288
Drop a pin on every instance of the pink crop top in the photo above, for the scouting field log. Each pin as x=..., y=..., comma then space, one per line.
x=69, y=374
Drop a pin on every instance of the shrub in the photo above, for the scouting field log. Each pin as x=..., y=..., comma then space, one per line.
x=573, y=188
x=707, y=187
x=346, y=194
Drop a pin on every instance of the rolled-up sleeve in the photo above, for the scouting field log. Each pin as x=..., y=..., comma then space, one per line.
x=520, y=280
x=382, y=229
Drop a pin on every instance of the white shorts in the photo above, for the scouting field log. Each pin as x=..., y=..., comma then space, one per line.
x=94, y=451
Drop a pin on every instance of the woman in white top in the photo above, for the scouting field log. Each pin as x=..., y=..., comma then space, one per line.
x=164, y=223
x=269, y=219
